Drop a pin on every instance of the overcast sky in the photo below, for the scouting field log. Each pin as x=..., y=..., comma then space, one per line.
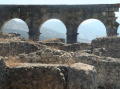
x=59, y=1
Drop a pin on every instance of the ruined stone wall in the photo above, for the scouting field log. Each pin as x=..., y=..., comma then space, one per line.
x=68, y=47
x=15, y=48
x=76, y=47
x=108, y=69
x=109, y=47
x=57, y=53
x=48, y=56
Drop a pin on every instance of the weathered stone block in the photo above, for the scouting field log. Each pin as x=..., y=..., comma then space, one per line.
x=82, y=76
x=108, y=47
x=15, y=48
x=47, y=55
x=33, y=76
x=49, y=76
x=108, y=69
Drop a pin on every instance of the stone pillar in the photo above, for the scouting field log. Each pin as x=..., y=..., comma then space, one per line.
x=33, y=27
x=34, y=34
x=71, y=37
x=111, y=24
x=112, y=27
x=72, y=31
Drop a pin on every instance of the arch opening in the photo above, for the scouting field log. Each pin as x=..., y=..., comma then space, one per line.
x=90, y=29
x=53, y=29
x=17, y=26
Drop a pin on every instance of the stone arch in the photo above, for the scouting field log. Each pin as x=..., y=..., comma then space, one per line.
x=16, y=25
x=90, y=29
x=55, y=28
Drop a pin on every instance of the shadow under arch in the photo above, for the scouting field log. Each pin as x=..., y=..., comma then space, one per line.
x=90, y=29
x=53, y=29
x=16, y=25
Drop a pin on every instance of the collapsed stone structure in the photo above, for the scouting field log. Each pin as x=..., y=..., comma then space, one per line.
x=45, y=65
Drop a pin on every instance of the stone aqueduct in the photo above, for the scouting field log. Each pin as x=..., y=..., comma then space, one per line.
x=71, y=15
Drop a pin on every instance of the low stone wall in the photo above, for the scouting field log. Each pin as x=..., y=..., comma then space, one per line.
x=68, y=47
x=109, y=47
x=55, y=45
x=76, y=47
x=108, y=69
x=15, y=48
x=49, y=76
x=106, y=42
x=54, y=40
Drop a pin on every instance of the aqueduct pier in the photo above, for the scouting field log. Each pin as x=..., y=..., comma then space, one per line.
x=71, y=15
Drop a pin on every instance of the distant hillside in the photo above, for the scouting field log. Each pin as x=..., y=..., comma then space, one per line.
x=49, y=34
x=83, y=40
x=22, y=33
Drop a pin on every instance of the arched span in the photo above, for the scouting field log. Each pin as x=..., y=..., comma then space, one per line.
x=90, y=29
x=53, y=28
x=16, y=25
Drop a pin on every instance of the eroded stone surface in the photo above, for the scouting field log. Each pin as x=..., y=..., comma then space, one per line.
x=49, y=76
x=79, y=79
x=71, y=76
x=47, y=55
x=35, y=77
x=68, y=47
x=108, y=69
x=15, y=48
x=108, y=47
